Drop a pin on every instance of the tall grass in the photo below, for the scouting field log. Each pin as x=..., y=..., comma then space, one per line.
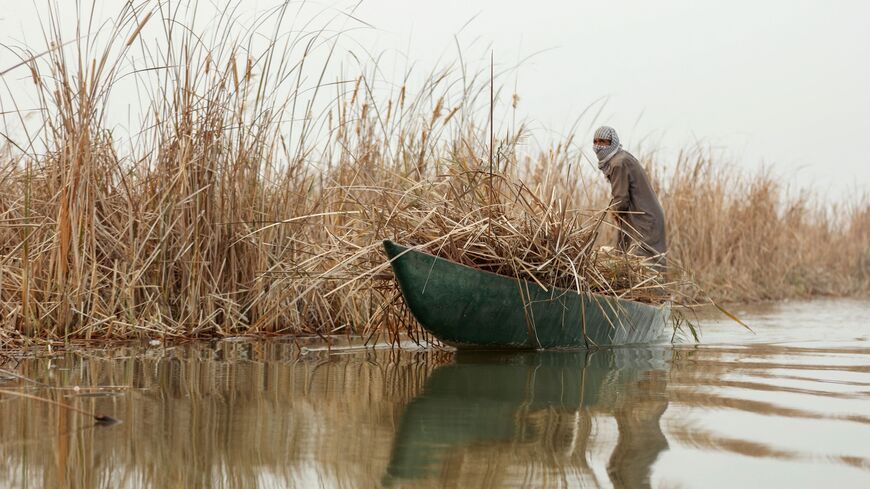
x=746, y=238
x=254, y=196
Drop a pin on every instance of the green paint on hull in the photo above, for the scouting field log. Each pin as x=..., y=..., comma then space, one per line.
x=470, y=308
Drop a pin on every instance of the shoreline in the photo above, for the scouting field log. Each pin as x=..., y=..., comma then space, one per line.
x=312, y=342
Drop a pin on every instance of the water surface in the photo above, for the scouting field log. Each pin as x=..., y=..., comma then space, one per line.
x=786, y=407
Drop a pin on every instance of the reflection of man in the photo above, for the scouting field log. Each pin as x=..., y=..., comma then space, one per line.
x=639, y=213
x=640, y=433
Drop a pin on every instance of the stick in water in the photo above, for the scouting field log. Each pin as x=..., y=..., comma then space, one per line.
x=99, y=418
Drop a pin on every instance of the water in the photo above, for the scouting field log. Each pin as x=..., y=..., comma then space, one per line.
x=786, y=407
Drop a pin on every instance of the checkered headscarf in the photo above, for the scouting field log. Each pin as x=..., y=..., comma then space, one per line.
x=604, y=153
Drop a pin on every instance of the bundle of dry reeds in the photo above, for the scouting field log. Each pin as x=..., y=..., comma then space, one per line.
x=509, y=229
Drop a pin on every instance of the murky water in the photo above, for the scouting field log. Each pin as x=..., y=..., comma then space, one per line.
x=786, y=407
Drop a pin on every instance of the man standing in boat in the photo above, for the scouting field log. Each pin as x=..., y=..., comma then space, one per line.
x=638, y=211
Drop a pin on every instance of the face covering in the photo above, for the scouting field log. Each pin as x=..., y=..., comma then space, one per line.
x=604, y=153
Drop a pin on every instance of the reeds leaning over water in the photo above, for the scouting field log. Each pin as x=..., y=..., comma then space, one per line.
x=237, y=208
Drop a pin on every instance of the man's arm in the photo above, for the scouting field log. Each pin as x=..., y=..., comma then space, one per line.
x=619, y=187
x=620, y=202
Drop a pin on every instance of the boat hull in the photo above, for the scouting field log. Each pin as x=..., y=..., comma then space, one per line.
x=469, y=308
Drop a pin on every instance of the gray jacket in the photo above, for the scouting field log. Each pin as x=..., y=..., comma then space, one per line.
x=639, y=213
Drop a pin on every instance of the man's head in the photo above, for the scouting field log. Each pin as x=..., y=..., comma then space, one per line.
x=606, y=143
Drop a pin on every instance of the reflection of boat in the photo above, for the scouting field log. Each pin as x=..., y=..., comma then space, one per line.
x=506, y=401
x=465, y=307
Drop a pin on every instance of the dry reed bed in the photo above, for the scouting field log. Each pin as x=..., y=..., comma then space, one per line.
x=238, y=210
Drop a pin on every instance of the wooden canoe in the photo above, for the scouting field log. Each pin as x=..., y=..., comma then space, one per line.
x=469, y=308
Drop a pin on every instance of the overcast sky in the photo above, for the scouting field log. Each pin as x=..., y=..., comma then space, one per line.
x=781, y=82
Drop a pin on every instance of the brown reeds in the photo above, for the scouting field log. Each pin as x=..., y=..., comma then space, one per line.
x=237, y=208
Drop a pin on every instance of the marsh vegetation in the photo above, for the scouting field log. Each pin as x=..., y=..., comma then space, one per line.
x=253, y=194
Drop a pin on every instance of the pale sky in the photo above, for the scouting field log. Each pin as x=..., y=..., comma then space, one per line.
x=776, y=82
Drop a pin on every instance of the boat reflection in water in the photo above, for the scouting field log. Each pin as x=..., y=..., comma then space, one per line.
x=535, y=419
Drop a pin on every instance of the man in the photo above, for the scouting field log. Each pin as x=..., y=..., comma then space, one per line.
x=638, y=211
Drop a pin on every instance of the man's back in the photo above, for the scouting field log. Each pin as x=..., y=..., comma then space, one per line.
x=642, y=218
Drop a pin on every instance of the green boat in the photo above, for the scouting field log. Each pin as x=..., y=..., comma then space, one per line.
x=469, y=308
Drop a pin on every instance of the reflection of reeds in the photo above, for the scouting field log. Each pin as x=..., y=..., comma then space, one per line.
x=214, y=418
x=227, y=215
x=244, y=413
